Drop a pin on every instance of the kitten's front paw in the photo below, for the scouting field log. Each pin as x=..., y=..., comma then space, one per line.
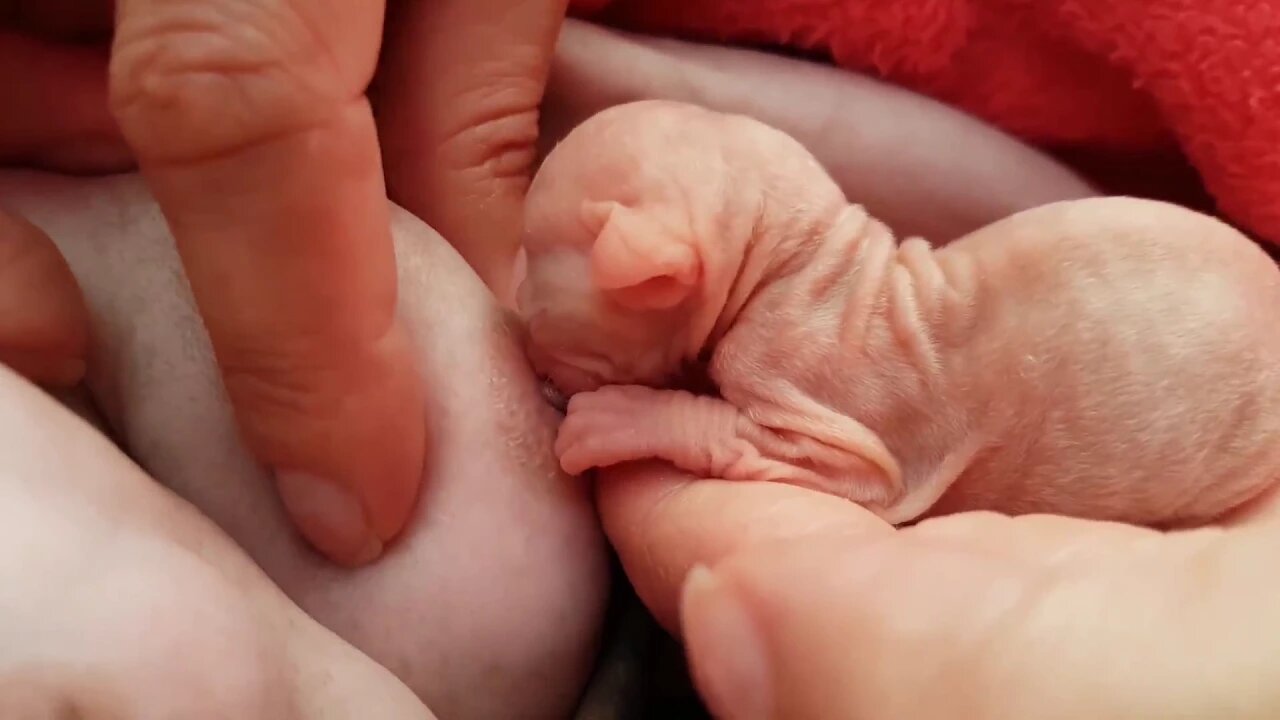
x=615, y=424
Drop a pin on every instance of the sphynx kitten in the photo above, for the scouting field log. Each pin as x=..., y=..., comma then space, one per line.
x=1107, y=358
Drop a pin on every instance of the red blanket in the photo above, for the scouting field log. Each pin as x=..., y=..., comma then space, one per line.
x=1089, y=78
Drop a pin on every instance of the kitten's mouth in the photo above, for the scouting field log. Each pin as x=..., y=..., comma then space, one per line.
x=693, y=377
x=554, y=397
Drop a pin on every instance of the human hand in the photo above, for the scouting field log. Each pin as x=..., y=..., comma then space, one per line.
x=809, y=607
x=118, y=599
x=250, y=122
x=429, y=610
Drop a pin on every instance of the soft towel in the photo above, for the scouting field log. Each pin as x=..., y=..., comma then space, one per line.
x=1130, y=78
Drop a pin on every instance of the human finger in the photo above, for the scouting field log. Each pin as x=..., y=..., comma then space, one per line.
x=458, y=94
x=662, y=522
x=251, y=126
x=490, y=603
x=918, y=626
x=44, y=322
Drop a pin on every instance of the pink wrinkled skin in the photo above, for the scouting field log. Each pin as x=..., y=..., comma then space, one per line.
x=1108, y=358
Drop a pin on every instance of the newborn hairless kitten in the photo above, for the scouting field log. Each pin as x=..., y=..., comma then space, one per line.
x=1108, y=358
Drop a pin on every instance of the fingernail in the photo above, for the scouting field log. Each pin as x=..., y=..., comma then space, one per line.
x=370, y=551
x=727, y=653
x=329, y=516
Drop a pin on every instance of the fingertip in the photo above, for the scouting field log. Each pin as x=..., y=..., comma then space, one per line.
x=728, y=656
x=393, y=488
x=353, y=522
x=44, y=321
x=331, y=518
x=345, y=434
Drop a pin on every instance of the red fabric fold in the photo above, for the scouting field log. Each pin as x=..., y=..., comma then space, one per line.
x=1137, y=80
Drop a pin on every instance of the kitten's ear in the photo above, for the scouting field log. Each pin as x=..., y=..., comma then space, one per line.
x=637, y=263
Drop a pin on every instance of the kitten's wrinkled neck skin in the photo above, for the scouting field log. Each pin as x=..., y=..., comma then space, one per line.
x=767, y=233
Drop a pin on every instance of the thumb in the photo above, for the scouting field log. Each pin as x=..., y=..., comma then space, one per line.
x=952, y=624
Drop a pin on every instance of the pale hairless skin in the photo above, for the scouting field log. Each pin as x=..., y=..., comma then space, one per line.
x=490, y=605
x=1102, y=358
x=122, y=601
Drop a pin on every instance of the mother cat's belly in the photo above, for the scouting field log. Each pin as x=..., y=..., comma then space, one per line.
x=490, y=604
